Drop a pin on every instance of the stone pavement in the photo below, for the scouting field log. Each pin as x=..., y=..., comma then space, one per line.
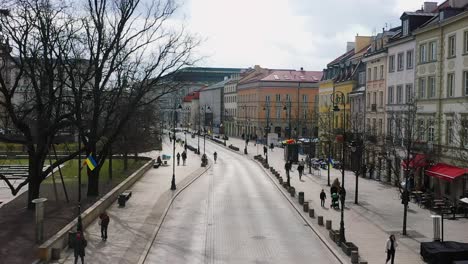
x=132, y=226
x=378, y=214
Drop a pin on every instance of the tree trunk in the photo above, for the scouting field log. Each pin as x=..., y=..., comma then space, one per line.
x=35, y=171
x=33, y=192
x=93, y=182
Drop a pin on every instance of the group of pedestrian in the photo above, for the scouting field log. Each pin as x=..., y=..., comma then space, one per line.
x=80, y=243
x=184, y=158
x=288, y=167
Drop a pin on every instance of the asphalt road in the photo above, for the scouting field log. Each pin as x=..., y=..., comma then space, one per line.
x=234, y=214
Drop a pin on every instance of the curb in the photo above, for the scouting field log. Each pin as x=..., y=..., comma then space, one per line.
x=149, y=244
x=322, y=238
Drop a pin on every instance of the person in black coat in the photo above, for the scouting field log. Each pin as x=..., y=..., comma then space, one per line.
x=323, y=196
x=178, y=158
x=79, y=247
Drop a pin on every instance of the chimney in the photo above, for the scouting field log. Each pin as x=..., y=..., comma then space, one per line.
x=349, y=45
x=429, y=7
x=302, y=69
x=257, y=67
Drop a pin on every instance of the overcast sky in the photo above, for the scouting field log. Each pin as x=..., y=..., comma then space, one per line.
x=285, y=33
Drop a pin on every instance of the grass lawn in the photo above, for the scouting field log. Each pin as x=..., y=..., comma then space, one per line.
x=70, y=171
x=16, y=162
x=19, y=147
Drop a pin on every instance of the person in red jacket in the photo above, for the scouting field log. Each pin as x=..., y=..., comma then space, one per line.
x=104, y=222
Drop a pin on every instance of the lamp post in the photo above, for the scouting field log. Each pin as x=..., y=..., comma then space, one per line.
x=337, y=98
x=245, y=130
x=330, y=123
x=356, y=149
x=204, y=108
x=174, y=120
x=287, y=107
x=267, y=128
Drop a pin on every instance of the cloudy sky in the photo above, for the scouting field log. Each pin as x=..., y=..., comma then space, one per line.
x=285, y=33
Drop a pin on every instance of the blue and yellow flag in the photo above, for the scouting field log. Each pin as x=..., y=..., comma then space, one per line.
x=331, y=162
x=90, y=162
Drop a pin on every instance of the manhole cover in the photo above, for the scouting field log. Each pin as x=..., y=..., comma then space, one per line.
x=258, y=237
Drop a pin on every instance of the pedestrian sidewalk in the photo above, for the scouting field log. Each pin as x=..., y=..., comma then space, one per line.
x=132, y=226
x=378, y=214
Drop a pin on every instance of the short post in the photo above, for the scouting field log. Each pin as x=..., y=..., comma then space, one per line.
x=39, y=202
x=320, y=220
x=280, y=180
x=354, y=257
x=305, y=207
x=292, y=191
x=328, y=224
x=311, y=213
x=301, y=197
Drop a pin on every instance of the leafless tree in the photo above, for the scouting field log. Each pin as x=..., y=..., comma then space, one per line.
x=130, y=49
x=34, y=36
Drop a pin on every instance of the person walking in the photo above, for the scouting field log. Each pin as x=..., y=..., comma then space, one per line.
x=300, y=170
x=178, y=158
x=265, y=149
x=215, y=156
x=104, y=222
x=302, y=164
x=184, y=157
x=287, y=168
x=79, y=247
x=390, y=248
x=323, y=196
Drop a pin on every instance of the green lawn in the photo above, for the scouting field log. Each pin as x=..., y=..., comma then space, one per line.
x=70, y=171
x=15, y=162
x=19, y=147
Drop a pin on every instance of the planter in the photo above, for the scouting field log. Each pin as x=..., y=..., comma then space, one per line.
x=334, y=235
x=348, y=247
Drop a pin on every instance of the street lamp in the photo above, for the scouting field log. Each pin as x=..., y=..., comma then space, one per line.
x=287, y=107
x=204, y=108
x=356, y=149
x=173, y=184
x=337, y=98
x=267, y=128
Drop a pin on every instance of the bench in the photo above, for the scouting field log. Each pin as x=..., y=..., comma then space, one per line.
x=123, y=197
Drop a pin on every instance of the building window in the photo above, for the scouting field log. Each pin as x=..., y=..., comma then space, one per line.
x=390, y=95
x=304, y=98
x=374, y=126
x=391, y=63
x=465, y=82
x=381, y=101
x=362, y=77
x=432, y=51
x=368, y=100
x=422, y=53
x=375, y=98
x=389, y=127
x=400, y=64
x=288, y=98
x=422, y=88
x=409, y=59
x=399, y=94
x=381, y=72
x=450, y=133
x=380, y=126
x=369, y=74
x=431, y=86
x=451, y=46
x=465, y=42
x=278, y=97
x=450, y=81
x=375, y=73
x=409, y=93
x=267, y=98
x=421, y=130
x=278, y=112
x=405, y=27
x=430, y=131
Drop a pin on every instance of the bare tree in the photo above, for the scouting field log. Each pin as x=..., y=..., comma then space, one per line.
x=130, y=49
x=34, y=35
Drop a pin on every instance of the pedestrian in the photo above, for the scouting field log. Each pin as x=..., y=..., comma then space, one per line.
x=390, y=248
x=178, y=158
x=243, y=136
x=300, y=169
x=184, y=157
x=371, y=171
x=302, y=164
x=104, y=222
x=287, y=167
x=79, y=247
x=364, y=170
x=323, y=196
x=170, y=138
x=215, y=156
x=265, y=149
x=272, y=146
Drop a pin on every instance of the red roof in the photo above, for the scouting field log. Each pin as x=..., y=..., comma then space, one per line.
x=417, y=161
x=191, y=96
x=291, y=75
x=446, y=172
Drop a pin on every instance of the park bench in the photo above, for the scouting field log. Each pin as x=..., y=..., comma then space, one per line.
x=123, y=197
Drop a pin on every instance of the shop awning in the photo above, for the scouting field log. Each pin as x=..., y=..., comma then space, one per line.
x=446, y=172
x=417, y=161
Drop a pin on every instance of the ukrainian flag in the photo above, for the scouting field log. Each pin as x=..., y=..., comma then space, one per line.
x=91, y=162
x=331, y=162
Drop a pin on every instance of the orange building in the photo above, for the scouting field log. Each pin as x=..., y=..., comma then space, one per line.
x=287, y=98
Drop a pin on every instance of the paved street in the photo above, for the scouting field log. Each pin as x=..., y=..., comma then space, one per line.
x=235, y=214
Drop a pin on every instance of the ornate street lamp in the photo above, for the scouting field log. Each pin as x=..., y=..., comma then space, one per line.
x=173, y=184
x=267, y=128
x=337, y=98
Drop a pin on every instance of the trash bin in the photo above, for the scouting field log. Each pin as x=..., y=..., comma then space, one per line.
x=436, y=225
x=71, y=239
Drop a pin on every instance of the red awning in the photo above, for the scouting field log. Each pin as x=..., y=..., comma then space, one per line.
x=446, y=172
x=417, y=161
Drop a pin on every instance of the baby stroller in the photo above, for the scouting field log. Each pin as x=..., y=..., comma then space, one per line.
x=335, y=204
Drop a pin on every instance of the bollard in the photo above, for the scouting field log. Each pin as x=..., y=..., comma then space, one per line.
x=354, y=257
x=285, y=185
x=305, y=207
x=311, y=213
x=292, y=191
x=320, y=220
x=39, y=202
x=280, y=180
x=301, y=197
x=328, y=224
